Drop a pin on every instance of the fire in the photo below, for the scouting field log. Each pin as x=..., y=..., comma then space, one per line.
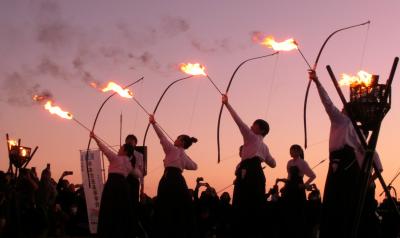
x=57, y=110
x=111, y=86
x=23, y=153
x=42, y=97
x=93, y=84
x=287, y=45
x=362, y=78
x=193, y=69
x=11, y=143
x=37, y=97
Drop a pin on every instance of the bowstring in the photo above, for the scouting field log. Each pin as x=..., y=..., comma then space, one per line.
x=269, y=92
x=136, y=108
x=189, y=128
x=364, y=47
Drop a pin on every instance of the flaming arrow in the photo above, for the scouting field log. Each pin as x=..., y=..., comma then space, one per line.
x=195, y=69
x=198, y=69
x=287, y=45
x=97, y=116
x=67, y=115
x=226, y=91
x=315, y=68
x=158, y=103
x=101, y=107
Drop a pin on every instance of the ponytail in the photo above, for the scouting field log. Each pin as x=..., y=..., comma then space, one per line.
x=187, y=140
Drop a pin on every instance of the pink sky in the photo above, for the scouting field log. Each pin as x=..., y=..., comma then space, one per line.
x=41, y=40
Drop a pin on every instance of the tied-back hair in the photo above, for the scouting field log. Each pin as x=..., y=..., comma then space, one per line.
x=130, y=137
x=263, y=125
x=129, y=150
x=187, y=140
x=298, y=149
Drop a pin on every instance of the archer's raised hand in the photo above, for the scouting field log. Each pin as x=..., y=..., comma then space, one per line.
x=224, y=99
x=313, y=75
x=151, y=119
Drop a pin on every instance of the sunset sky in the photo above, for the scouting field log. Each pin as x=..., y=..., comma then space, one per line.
x=61, y=46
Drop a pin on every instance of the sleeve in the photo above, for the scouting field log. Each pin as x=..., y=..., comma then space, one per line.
x=165, y=143
x=333, y=112
x=244, y=129
x=190, y=164
x=269, y=160
x=111, y=156
x=308, y=171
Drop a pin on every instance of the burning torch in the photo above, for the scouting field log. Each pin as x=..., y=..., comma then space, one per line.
x=198, y=69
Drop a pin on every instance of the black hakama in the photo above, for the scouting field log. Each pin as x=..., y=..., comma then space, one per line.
x=249, y=198
x=173, y=208
x=115, y=218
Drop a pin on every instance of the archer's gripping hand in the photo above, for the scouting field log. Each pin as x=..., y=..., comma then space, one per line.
x=224, y=99
x=312, y=75
x=151, y=119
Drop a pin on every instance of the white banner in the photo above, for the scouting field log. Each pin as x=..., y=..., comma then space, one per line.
x=92, y=193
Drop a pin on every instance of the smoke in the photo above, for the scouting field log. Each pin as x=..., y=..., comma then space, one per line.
x=49, y=67
x=19, y=91
x=147, y=60
x=83, y=73
x=43, y=96
x=66, y=52
x=257, y=36
x=146, y=37
x=225, y=45
x=173, y=26
x=51, y=30
x=214, y=47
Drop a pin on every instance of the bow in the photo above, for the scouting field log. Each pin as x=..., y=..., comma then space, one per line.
x=158, y=103
x=227, y=89
x=314, y=68
x=97, y=116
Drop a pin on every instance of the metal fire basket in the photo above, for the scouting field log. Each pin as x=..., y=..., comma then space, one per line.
x=367, y=104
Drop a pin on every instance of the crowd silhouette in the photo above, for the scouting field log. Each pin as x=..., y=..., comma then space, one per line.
x=32, y=206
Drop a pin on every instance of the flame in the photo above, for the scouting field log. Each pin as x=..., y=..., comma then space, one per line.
x=111, y=86
x=287, y=45
x=24, y=152
x=41, y=98
x=193, y=69
x=362, y=78
x=93, y=84
x=57, y=110
x=37, y=97
x=11, y=143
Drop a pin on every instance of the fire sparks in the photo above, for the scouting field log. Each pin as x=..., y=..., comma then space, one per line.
x=269, y=41
x=44, y=96
x=93, y=85
x=57, y=110
x=363, y=78
x=193, y=69
x=111, y=86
